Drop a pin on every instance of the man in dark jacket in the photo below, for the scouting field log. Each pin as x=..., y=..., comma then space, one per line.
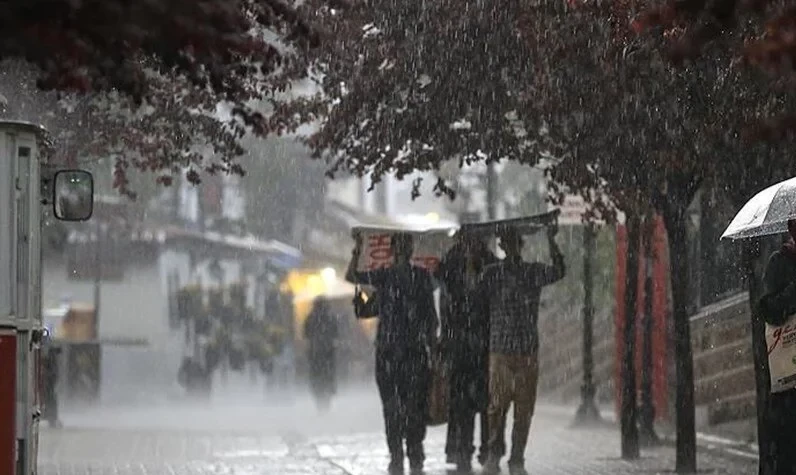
x=404, y=340
x=321, y=332
x=777, y=304
x=464, y=340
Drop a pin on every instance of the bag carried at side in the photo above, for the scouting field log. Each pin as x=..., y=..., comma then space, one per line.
x=781, y=345
x=365, y=308
x=438, y=393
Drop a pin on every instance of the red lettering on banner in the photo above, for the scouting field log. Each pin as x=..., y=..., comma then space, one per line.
x=380, y=257
x=380, y=251
x=380, y=254
x=430, y=263
x=379, y=240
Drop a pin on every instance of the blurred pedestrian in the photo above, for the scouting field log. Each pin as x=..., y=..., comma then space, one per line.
x=465, y=345
x=321, y=332
x=775, y=307
x=511, y=290
x=405, y=338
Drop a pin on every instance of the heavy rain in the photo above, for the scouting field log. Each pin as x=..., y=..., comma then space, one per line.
x=342, y=237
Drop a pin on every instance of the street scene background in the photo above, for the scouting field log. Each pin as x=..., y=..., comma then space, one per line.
x=235, y=145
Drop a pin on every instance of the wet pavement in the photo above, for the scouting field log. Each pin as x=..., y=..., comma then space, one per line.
x=240, y=437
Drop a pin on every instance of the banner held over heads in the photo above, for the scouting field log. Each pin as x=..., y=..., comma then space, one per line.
x=526, y=225
x=431, y=245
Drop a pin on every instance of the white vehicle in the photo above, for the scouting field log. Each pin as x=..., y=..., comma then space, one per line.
x=26, y=184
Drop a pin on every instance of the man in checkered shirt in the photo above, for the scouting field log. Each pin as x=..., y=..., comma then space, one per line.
x=509, y=291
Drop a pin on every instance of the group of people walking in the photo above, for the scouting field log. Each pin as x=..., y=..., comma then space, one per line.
x=488, y=338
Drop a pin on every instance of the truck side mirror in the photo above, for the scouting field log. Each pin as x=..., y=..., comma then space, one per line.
x=73, y=195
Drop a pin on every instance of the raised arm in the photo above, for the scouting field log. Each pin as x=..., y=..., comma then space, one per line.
x=351, y=272
x=540, y=275
x=780, y=295
x=558, y=270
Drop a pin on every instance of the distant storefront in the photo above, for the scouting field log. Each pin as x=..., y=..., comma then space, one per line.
x=137, y=270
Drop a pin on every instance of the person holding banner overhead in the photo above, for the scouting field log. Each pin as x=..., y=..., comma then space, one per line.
x=510, y=291
x=405, y=339
x=778, y=308
x=464, y=342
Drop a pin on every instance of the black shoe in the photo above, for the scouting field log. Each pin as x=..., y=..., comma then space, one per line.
x=491, y=466
x=416, y=467
x=464, y=466
x=517, y=467
x=396, y=467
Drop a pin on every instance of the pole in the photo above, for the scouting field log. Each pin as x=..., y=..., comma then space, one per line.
x=97, y=356
x=491, y=191
x=647, y=435
x=587, y=412
x=97, y=276
x=629, y=416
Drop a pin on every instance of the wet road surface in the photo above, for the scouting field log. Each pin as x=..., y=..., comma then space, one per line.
x=242, y=436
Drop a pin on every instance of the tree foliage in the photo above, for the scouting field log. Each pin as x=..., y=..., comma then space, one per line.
x=165, y=86
x=93, y=45
x=692, y=26
x=173, y=132
x=757, y=33
x=409, y=85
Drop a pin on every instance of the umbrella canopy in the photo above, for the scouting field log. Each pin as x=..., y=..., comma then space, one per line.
x=768, y=212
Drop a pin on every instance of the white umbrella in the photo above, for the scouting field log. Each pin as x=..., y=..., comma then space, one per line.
x=768, y=212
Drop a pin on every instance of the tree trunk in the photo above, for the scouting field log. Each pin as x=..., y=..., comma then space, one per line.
x=647, y=411
x=629, y=416
x=674, y=218
x=751, y=253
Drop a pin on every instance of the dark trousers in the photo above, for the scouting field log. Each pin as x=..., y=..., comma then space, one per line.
x=403, y=377
x=782, y=430
x=468, y=398
x=50, y=412
x=323, y=371
x=512, y=380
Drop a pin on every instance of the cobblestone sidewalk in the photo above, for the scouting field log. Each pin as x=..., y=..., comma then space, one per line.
x=555, y=449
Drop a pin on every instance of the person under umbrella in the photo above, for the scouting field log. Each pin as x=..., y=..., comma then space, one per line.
x=464, y=341
x=405, y=340
x=510, y=291
x=770, y=212
x=321, y=332
x=777, y=304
